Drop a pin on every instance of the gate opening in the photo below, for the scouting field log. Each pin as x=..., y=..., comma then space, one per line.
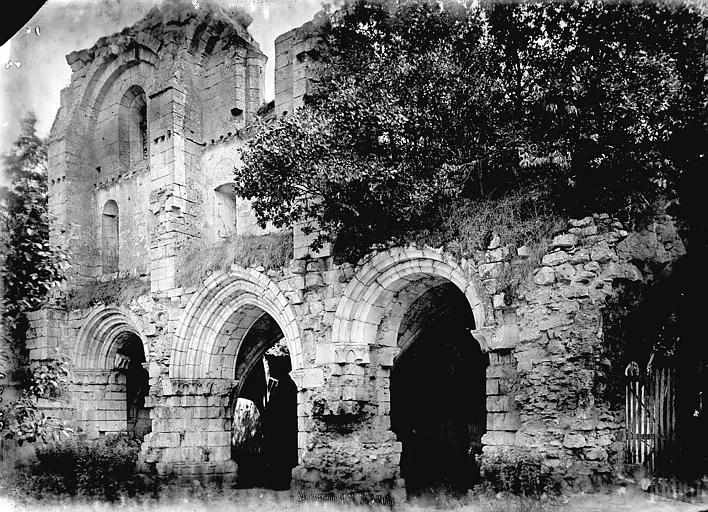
x=438, y=401
x=264, y=437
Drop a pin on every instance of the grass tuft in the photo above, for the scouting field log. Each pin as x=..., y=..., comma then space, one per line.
x=115, y=291
x=270, y=251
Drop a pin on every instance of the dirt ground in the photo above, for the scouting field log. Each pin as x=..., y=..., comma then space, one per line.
x=624, y=500
x=620, y=500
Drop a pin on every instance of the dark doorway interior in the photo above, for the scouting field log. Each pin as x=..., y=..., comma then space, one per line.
x=267, y=452
x=136, y=386
x=438, y=408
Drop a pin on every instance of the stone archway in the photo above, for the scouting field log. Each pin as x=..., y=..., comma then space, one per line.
x=109, y=375
x=262, y=373
x=227, y=329
x=367, y=297
x=395, y=310
x=229, y=304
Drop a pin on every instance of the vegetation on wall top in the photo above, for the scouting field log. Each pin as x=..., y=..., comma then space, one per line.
x=422, y=106
x=120, y=291
x=269, y=251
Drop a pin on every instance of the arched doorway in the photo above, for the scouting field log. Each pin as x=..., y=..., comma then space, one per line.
x=438, y=409
x=129, y=361
x=228, y=328
x=415, y=309
x=110, y=380
x=264, y=441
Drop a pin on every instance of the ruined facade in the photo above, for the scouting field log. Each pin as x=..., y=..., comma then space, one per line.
x=411, y=349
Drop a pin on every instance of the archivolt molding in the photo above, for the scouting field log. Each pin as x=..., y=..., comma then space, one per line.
x=369, y=296
x=229, y=302
x=107, y=69
x=97, y=338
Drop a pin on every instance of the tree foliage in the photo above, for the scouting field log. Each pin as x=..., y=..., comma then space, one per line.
x=594, y=106
x=29, y=268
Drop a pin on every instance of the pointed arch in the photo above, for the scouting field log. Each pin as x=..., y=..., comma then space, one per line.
x=217, y=319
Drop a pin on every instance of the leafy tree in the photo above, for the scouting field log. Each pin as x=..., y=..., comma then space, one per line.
x=421, y=105
x=29, y=268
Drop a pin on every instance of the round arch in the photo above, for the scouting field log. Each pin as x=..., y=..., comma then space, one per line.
x=132, y=127
x=100, y=335
x=105, y=71
x=227, y=307
x=373, y=294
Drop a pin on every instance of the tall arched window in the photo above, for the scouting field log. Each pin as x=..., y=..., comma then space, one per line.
x=132, y=127
x=109, y=237
x=225, y=210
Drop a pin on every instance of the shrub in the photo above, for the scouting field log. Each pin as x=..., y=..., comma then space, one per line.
x=103, y=468
x=519, y=219
x=519, y=471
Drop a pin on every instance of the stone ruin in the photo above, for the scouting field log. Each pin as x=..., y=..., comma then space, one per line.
x=391, y=375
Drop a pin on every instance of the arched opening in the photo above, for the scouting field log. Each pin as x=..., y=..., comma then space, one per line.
x=109, y=237
x=227, y=329
x=132, y=127
x=264, y=432
x=439, y=419
x=225, y=210
x=129, y=360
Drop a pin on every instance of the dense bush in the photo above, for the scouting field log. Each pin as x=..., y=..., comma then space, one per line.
x=520, y=471
x=104, y=468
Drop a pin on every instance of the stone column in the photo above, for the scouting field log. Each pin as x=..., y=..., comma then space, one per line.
x=502, y=417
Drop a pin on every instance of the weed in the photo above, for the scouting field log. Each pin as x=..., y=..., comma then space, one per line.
x=519, y=471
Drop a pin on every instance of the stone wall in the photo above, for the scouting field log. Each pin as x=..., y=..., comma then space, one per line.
x=345, y=325
x=560, y=365
x=545, y=352
x=342, y=322
x=294, y=73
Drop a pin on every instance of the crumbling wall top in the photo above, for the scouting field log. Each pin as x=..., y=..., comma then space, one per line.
x=171, y=15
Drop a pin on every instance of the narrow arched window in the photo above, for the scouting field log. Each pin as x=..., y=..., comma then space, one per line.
x=132, y=127
x=109, y=237
x=225, y=210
